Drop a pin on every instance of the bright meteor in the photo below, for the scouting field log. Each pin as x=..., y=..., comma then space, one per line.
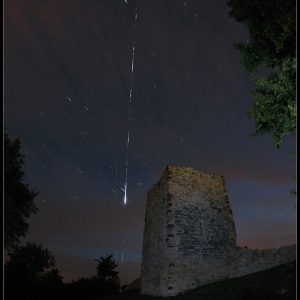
x=124, y=189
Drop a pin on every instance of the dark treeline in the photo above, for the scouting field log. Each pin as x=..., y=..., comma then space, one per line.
x=30, y=271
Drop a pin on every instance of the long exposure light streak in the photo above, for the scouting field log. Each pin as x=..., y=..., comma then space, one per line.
x=125, y=185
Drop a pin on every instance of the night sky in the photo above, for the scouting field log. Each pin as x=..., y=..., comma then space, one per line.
x=67, y=81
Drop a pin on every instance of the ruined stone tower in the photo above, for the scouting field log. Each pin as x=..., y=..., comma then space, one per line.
x=190, y=237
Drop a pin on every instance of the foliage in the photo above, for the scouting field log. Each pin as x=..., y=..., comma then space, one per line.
x=272, y=43
x=31, y=260
x=85, y=288
x=31, y=268
x=18, y=198
x=275, y=106
x=106, y=269
x=107, y=275
x=106, y=282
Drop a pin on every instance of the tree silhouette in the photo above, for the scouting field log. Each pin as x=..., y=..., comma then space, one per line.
x=107, y=275
x=30, y=268
x=18, y=198
x=105, y=282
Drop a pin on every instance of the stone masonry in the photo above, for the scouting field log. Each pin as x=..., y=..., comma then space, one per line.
x=190, y=236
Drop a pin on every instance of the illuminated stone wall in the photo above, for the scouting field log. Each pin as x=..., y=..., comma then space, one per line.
x=190, y=236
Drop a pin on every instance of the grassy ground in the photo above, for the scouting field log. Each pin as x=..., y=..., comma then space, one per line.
x=276, y=283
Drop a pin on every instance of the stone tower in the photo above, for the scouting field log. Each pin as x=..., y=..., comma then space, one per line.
x=190, y=237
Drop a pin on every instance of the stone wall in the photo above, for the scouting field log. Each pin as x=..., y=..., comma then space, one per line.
x=190, y=236
x=154, y=245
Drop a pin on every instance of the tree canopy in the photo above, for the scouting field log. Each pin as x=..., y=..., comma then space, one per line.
x=107, y=274
x=30, y=268
x=105, y=282
x=18, y=198
x=271, y=44
x=32, y=260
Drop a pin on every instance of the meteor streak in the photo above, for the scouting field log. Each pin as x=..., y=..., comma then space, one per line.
x=122, y=254
x=125, y=185
x=124, y=189
x=132, y=62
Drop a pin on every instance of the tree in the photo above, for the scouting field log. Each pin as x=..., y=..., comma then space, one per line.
x=85, y=288
x=272, y=44
x=30, y=268
x=18, y=198
x=105, y=282
x=107, y=275
x=275, y=107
